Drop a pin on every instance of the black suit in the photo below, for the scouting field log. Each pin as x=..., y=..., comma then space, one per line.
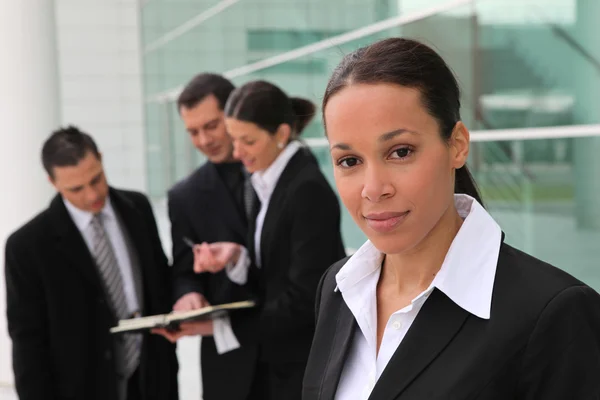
x=542, y=341
x=203, y=209
x=299, y=240
x=59, y=316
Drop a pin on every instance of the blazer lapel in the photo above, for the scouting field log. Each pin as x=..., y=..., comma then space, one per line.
x=340, y=347
x=72, y=245
x=274, y=211
x=436, y=325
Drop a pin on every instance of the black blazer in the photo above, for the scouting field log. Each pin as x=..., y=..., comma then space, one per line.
x=203, y=209
x=299, y=240
x=58, y=315
x=542, y=341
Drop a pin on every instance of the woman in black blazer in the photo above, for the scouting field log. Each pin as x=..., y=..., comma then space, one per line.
x=435, y=305
x=294, y=238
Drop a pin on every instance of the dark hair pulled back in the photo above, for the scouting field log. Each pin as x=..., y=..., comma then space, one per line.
x=266, y=105
x=412, y=64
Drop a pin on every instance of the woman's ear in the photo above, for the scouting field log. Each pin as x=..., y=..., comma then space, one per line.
x=283, y=135
x=459, y=145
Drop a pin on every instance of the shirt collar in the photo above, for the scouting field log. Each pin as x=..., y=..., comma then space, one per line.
x=468, y=271
x=82, y=219
x=264, y=182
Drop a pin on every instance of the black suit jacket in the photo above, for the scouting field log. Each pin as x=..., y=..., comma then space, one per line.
x=299, y=240
x=202, y=208
x=542, y=341
x=58, y=314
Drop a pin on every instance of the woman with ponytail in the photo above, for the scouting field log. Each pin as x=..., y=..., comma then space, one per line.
x=294, y=232
x=435, y=305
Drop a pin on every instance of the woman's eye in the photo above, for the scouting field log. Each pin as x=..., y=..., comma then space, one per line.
x=348, y=162
x=402, y=152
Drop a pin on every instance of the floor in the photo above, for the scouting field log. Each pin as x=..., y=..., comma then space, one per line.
x=7, y=394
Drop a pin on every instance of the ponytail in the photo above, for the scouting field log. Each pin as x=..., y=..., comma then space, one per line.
x=465, y=184
x=304, y=112
x=266, y=105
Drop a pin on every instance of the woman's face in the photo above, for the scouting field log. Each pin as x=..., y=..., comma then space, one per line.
x=392, y=168
x=255, y=147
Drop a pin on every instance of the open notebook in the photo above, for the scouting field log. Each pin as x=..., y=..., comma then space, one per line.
x=173, y=319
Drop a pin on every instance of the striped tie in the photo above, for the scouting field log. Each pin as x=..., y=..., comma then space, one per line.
x=250, y=198
x=108, y=267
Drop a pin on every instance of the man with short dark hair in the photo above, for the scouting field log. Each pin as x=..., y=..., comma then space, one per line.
x=213, y=205
x=93, y=257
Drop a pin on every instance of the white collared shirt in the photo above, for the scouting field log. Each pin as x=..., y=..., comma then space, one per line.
x=466, y=277
x=264, y=183
x=83, y=221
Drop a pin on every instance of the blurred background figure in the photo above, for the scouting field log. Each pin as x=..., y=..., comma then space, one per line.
x=294, y=233
x=529, y=70
x=210, y=206
x=91, y=258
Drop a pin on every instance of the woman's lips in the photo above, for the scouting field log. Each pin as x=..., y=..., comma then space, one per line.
x=247, y=163
x=385, y=222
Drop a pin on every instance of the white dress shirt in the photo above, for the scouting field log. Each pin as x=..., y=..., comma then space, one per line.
x=225, y=339
x=264, y=183
x=83, y=221
x=466, y=277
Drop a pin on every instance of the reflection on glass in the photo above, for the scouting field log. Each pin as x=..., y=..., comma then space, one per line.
x=520, y=63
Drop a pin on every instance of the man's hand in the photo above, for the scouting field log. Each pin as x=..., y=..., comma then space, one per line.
x=214, y=257
x=200, y=328
x=190, y=301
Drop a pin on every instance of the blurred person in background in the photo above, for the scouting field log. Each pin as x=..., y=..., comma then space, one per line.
x=212, y=204
x=93, y=257
x=435, y=305
x=294, y=234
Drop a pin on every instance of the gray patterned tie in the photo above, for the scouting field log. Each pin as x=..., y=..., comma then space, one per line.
x=108, y=267
x=250, y=197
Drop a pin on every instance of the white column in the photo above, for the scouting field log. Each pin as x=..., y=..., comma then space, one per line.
x=29, y=111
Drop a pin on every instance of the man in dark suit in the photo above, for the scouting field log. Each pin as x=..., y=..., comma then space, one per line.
x=93, y=257
x=213, y=205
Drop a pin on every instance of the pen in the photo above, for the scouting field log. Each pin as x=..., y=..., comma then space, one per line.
x=188, y=241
